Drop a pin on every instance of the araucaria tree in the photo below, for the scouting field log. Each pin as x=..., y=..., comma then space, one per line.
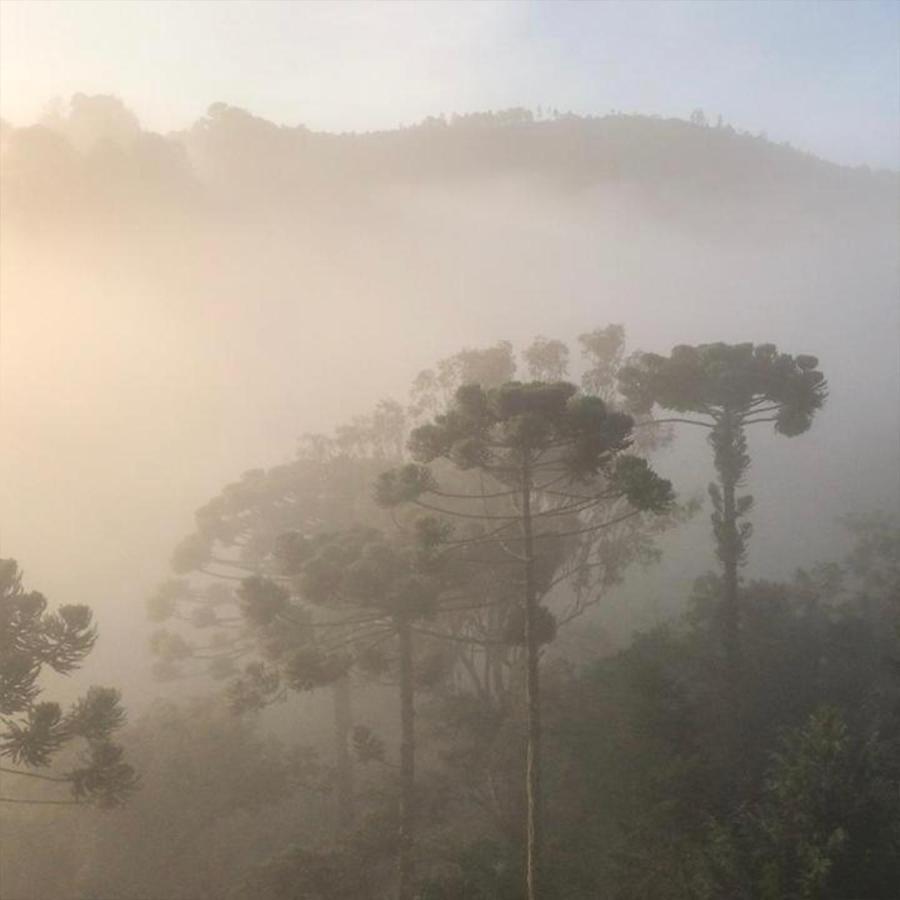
x=32, y=731
x=324, y=490
x=379, y=588
x=545, y=456
x=725, y=388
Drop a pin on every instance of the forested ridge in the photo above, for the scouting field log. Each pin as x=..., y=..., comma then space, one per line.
x=98, y=153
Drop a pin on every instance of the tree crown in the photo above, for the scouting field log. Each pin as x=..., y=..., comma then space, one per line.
x=739, y=378
x=499, y=427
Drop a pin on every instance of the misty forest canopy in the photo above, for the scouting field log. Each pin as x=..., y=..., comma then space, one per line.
x=386, y=703
x=90, y=156
x=432, y=655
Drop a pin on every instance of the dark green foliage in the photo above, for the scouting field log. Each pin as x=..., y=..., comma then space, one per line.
x=31, y=637
x=645, y=801
x=96, y=714
x=104, y=778
x=367, y=745
x=261, y=600
x=308, y=668
x=32, y=733
x=829, y=820
x=430, y=533
x=491, y=428
x=725, y=388
x=640, y=485
x=545, y=627
x=403, y=485
x=363, y=569
x=254, y=688
x=728, y=376
x=35, y=736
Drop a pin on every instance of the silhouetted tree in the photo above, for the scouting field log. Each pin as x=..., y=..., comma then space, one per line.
x=729, y=387
x=537, y=443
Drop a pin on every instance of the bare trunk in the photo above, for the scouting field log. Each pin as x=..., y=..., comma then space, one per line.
x=343, y=723
x=731, y=613
x=731, y=460
x=407, y=763
x=534, y=838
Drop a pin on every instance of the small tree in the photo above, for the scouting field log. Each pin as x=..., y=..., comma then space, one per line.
x=724, y=388
x=31, y=638
x=551, y=455
x=698, y=118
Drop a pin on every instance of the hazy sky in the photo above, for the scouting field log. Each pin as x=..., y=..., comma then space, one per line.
x=822, y=75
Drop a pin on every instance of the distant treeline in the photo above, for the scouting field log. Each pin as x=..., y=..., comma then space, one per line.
x=94, y=151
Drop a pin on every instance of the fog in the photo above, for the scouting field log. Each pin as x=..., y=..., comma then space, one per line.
x=180, y=308
x=153, y=353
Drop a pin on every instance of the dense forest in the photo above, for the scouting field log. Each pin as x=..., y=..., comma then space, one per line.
x=569, y=619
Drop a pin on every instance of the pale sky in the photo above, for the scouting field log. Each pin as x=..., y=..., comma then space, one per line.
x=822, y=75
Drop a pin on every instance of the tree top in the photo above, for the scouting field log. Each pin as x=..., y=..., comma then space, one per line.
x=747, y=380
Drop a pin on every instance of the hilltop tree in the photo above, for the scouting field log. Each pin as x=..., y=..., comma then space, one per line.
x=33, y=731
x=551, y=454
x=724, y=388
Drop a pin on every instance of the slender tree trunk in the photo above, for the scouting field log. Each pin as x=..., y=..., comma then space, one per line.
x=343, y=723
x=534, y=837
x=730, y=555
x=407, y=762
x=500, y=689
x=731, y=461
x=495, y=655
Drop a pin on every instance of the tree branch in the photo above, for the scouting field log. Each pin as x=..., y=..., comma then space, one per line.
x=35, y=775
x=671, y=421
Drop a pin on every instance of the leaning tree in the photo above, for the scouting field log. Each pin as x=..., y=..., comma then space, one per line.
x=32, y=731
x=544, y=455
x=725, y=388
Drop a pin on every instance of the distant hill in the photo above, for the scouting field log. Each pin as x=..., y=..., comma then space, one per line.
x=96, y=153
